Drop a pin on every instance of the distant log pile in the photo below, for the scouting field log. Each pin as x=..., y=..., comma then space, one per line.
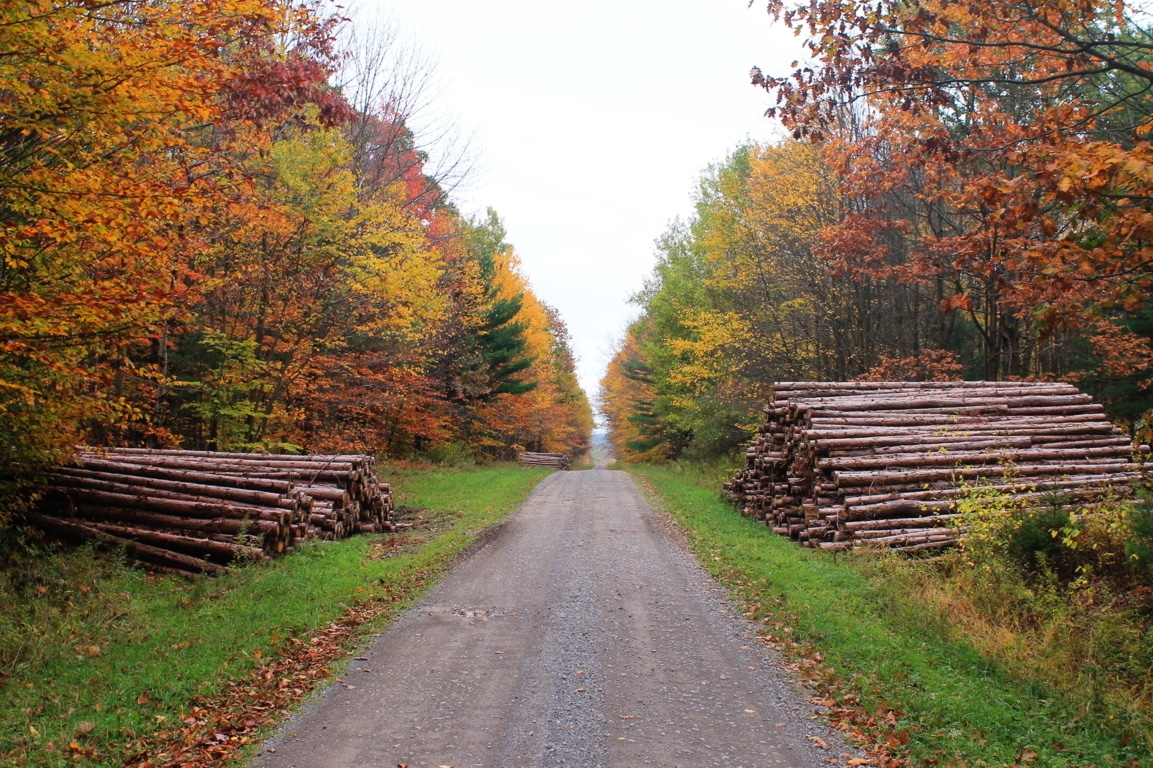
x=198, y=511
x=839, y=465
x=553, y=460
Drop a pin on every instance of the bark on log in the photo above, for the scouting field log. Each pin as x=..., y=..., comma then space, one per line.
x=180, y=542
x=191, y=476
x=175, y=559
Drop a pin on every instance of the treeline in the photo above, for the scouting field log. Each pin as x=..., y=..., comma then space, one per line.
x=966, y=195
x=209, y=240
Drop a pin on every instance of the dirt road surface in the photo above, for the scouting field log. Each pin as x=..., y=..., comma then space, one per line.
x=581, y=634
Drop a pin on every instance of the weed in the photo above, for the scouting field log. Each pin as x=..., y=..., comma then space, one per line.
x=1139, y=548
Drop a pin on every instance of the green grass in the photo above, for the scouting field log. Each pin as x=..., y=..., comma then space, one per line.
x=882, y=652
x=95, y=654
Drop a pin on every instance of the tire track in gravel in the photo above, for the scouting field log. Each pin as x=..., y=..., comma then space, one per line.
x=581, y=635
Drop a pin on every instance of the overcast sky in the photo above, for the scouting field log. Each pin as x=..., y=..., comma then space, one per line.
x=591, y=122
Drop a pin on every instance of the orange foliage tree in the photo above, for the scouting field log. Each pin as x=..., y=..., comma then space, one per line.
x=203, y=242
x=998, y=156
x=109, y=162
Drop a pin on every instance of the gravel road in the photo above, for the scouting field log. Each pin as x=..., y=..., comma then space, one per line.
x=582, y=634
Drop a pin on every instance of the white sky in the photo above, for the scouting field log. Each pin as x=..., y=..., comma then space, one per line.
x=591, y=122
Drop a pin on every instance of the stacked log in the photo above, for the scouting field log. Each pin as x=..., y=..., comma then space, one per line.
x=839, y=465
x=198, y=511
x=551, y=460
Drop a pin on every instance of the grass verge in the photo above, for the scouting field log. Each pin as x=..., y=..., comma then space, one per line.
x=890, y=669
x=103, y=664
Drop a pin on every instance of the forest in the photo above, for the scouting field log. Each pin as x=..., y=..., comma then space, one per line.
x=964, y=192
x=220, y=232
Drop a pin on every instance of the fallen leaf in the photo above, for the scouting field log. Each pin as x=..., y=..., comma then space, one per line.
x=819, y=742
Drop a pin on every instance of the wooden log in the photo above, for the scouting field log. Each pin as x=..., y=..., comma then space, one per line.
x=893, y=442
x=962, y=457
x=840, y=387
x=174, y=559
x=191, y=476
x=171, y=506
x=865, y=478
x=178, y=542
x=887, y=534
x=926, y=421
x=929, y=521
x=234, y=461
x=926, y=545
x=327, y=492
x=1099, y=483
x=250, y=471
x=153, y=487
x=302, y=457
x=226, y=525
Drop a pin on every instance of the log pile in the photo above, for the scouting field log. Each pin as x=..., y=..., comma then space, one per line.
x=839, y=465
x=198, y=511
x=552, y=460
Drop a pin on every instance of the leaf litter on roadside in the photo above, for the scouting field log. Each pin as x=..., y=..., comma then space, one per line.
x=215, y=730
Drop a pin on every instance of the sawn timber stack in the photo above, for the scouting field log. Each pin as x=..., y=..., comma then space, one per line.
x=198, y=511
x=838, y=465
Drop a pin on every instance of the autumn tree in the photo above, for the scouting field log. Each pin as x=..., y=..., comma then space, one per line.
x=213, y=239
x=627, y=399
x=109, y=163
x=1014, y=133
x=524, y=390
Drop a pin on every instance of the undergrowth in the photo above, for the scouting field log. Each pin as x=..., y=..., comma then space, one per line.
x=1020, y=653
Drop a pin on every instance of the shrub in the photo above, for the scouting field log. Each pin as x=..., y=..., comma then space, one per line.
x=1139, y=547
x=1039, y=542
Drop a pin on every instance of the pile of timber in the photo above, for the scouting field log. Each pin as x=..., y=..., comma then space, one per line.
x=553, y=460
x=198, y=511
x=839, y=465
